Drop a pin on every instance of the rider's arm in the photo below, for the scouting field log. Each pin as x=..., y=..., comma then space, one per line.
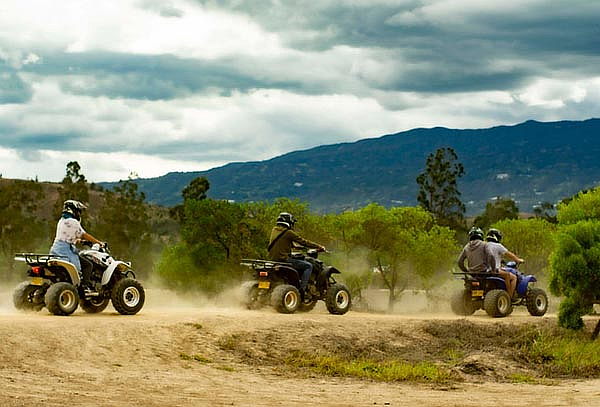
x=514, y=257
x=296, y=238
x=461, y=261
x=87, y=236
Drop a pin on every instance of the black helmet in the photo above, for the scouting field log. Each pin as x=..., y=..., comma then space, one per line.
x=286, y=219
x=74, y=208
x=494, y=235
x=475, y=233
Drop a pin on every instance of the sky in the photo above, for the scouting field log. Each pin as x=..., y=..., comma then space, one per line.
x=146, y=87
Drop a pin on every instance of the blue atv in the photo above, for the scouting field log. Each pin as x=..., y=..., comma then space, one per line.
x=488, y=291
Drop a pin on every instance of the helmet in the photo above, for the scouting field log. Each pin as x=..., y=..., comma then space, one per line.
x=475, y=233
x=494, y=235
x=74, y=208
x=286, y=219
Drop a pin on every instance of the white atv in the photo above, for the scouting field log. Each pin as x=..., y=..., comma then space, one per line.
x=56, y=284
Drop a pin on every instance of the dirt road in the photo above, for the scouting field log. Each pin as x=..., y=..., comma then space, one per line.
x=174, y=356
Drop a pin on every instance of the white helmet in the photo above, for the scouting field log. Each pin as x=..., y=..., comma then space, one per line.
x=74, y=208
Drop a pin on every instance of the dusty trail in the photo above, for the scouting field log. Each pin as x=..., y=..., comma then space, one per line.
x=148, y=359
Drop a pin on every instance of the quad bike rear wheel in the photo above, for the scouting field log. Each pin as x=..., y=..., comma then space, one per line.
x=497, y=304
x=537, y=302
x=338, y=299
x=461, y=303
x=285, y=298
x=250, y=295
x=94, y=304
x=128, y=296
x=24, y=297
x=62, y=298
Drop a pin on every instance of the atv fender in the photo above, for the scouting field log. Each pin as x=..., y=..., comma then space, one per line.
x=70, y=267
x=496, y=282
x=524, y=283
x=117, y=264
x=331, y=270
x=288, y=274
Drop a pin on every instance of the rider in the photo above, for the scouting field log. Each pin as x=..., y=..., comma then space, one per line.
x=280, y=247
x=493, y=238
x=479, y=258
x=68, y=232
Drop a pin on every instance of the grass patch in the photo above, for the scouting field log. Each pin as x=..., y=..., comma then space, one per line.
x=194, y=325
x=523, y=378
x=226, y=368
x=387, y=371
x=566, y=353
x=196, y=357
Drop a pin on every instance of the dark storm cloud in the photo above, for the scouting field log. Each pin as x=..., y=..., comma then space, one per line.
x=150, y=77
x=12, y=87
x=445, y=50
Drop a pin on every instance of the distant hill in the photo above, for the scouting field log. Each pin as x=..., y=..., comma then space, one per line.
x=530, y=162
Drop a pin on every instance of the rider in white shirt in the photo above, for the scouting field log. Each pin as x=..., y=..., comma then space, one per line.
x=68, y=232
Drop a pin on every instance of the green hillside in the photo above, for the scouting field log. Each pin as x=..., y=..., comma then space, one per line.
x=529, y=162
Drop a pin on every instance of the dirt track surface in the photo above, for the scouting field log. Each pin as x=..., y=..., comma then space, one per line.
x=148, y=360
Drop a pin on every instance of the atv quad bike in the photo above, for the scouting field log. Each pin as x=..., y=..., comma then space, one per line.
x=55, y=283
x=488, y=291
x=278, y=284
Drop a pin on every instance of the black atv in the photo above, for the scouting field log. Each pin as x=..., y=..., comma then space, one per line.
x=278, y=283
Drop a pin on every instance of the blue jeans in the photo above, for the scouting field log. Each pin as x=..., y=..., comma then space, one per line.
x=303, y=267
x=64, y=249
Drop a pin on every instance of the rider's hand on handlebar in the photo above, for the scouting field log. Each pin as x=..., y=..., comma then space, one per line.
x=322, y=249
x=520, y=260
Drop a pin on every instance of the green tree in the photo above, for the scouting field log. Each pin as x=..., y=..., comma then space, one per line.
x=196, y=189
x=499, y=209
x=438, y=189
x=575, y=264
x=404, y=245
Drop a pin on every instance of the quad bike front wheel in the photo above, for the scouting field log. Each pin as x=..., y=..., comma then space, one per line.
x=24, y=297
x=497, y=304
x=62, y=298
x=285, y=298
x=128, y=296
x=338, y=299
x=94, y=304
x=537, y=302
x=461, y=303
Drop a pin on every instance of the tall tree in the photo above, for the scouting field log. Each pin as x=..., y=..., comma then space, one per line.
x=438, y=190
x=73, y=186
x=196, y=189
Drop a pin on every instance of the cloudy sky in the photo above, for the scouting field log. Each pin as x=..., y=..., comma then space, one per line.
x=152, y=86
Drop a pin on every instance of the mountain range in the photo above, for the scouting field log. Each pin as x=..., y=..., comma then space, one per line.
x=530, y=162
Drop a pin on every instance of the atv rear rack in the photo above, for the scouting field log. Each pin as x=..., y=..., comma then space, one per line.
x=36, y=258
x=262, y=264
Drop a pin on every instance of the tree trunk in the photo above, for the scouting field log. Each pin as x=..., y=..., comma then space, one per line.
x=596, y=331
x=391, y=301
